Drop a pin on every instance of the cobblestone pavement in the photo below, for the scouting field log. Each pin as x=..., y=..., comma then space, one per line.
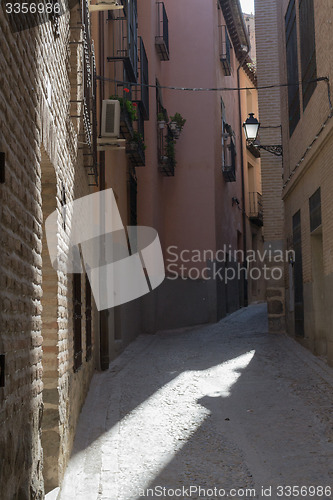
x=225, y=406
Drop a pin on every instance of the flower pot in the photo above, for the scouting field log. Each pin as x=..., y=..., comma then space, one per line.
x=173, y=126
x=176, y=132
x=133, y=146
x=161, y=124
x=164, y=160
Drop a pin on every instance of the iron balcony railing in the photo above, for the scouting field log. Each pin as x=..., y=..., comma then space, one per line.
x=256, y=214
x=162, y=36
x=225, y=50
x=141, y=92
x=166, y=152
x=124, y=45
x=83, y=105
x=228, y=154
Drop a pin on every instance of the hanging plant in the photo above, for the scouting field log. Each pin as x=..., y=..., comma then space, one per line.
x=161, y=120
x=137, y=142
x=170, y=150
x=131, y=107
x=177, y=123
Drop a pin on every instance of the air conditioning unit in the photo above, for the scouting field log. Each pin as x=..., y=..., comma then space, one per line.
x=110, y=118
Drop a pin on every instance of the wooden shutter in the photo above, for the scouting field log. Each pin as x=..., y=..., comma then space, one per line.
x=77, y=321
x=88, y=319
x=315, y=210
x=308, y=49
x=298, y=275
x=292, y=66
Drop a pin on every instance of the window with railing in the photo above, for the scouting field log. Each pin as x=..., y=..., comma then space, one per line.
x=124, y=31
x=308, y=52
x=292, y=66
x=141, y=92
x=83, y=93
x=88, y=314
x=77, y=321
x=225, y=50
x=256, y=213
x=228, y=153
x=162, y=35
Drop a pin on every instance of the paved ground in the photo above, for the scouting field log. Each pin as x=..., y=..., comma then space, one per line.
x=223, y=406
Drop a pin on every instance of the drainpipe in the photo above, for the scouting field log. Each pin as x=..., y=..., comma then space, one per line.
x=103, y=315
x=242, y=171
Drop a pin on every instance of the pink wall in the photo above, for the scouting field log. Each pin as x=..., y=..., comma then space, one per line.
x=193, y=209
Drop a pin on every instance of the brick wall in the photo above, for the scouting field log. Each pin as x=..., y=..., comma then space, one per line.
x=42, y=155
x=268, y=71
x=308, y=166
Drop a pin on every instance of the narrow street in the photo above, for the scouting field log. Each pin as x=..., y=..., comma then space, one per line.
x=225, y=406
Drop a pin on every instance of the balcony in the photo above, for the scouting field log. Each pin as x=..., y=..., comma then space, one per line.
x=166, y=152
x=256, y=215
x=135, y=147
x=228, y=154
x=162, y=37
x=136, y=153
x=124, y=41
x=225, y=48
x=83, y=90
x=141, y=92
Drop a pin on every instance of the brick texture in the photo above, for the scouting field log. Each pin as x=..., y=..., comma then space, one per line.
x=42, y=155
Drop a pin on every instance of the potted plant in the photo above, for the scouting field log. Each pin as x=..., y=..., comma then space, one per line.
x=128, y=105
x=161, y=120
x=131, y=109
x=177, y=123
x=170, y=151
x=137, y=142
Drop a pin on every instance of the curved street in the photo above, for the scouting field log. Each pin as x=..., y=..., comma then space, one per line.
x=223, y=410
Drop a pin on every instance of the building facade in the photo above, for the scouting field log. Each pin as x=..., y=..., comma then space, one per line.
x=268, y=47
x=301, y=58
x=305, y=27
x=48, y=319
x=197, y=202
x=194, y=181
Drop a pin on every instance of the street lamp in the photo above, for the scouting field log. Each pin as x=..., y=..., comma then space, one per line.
x=251, y=128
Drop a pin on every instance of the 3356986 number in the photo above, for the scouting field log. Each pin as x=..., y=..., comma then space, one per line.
x=32, y=8
x=303, y=491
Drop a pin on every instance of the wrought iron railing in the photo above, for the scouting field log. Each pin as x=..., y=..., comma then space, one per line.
x=141, y=92
x=166, y=152
x=228, y=154
x=256, y=213
x=225, y=49
x=162, y=36
x=124, y=45
x=84, y=102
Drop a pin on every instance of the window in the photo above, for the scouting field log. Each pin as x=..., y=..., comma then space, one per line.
x=77, y=319
x=315, y=210
x=298, y=275
x=308, y=46
x=132, y=33
x=292, y=66
x=88, y=319
x=228, y=149
x=162, y=37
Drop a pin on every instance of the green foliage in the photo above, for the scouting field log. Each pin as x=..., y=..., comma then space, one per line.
x=138, y=138
x=170, y=150
x=179, y=120
x=128, y=105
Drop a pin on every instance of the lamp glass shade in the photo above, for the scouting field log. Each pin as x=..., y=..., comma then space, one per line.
x=251, y=127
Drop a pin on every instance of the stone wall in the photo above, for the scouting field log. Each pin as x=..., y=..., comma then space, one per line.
x=42, y=160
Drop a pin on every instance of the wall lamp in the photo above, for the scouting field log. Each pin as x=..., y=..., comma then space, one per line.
x=251, y=128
